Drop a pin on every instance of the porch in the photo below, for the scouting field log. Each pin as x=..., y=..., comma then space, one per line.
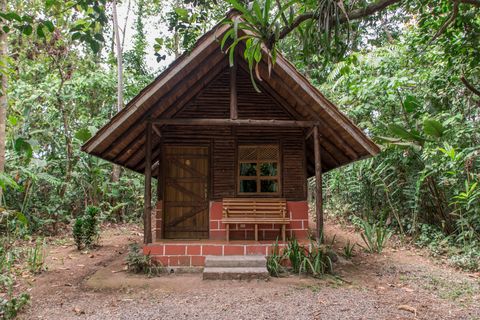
x=192, y=252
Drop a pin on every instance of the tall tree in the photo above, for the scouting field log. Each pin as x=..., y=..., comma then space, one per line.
x=118, y=47
x=3, y=97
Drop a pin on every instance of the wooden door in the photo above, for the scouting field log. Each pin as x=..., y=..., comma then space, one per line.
x=186, y=192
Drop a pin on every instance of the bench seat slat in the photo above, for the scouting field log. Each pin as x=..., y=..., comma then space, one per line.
x=255, y=211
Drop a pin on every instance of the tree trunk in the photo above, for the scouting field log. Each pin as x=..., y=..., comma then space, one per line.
x=3, y=97
x=116, y=171
x=118, y=47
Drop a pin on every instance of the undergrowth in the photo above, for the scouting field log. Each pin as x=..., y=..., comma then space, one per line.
x=140, y=263
x=86, y=228
x=313, y=259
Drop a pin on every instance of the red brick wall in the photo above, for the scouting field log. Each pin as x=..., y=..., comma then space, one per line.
x=298, y=227
x=192, y=254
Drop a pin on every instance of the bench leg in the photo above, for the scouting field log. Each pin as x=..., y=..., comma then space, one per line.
x=256, y=232
x=228, y=232
x=283, y=232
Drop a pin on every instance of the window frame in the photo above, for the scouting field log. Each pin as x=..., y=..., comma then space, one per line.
x=258, y=178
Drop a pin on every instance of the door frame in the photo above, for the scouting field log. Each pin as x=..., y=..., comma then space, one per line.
x=205, y=144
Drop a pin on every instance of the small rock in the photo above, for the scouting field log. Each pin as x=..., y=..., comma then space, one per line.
x=77, y=310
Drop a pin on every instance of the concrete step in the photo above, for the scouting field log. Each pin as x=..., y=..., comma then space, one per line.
x=235, y=261
x=236, y=273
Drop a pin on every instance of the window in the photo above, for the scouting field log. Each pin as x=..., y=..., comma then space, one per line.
x=258, y=169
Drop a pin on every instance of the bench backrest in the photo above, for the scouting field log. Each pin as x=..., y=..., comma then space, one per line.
x=254, y=207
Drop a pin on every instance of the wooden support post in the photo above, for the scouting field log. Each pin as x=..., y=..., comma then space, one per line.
x=147, y=206
x=318, y=184
x=233, y=92
x=160, y=187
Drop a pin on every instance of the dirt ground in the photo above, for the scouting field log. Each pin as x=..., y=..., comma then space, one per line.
x=401, y=283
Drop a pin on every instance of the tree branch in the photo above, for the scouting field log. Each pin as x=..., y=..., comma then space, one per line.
x=469, y=86
x=447, y=23
x=475, y=3
x=353, y=15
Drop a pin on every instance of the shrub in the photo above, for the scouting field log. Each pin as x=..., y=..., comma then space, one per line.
x=375, y=236
x=86, y=228
x=36, y=257
x=78, y=232
x=468, y=259
x=137, y=262
x=10, y=304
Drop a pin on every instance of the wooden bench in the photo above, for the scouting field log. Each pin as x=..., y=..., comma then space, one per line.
x=255, y=211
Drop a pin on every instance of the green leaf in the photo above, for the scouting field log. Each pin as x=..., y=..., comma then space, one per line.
x=83, y=134
x=49, y=25
x=6, y=29
x=40, y=32
x=401, y=132
x=21, y=146
x=94, y=45
x=99, y=37
x=12, y=120
x=49, y=3
x=21, y=218
x=433, y=128
x=12, y=16
x=76, y=36
x=27, y=29
x=411, y=103
x=182, y=14
x=7, y=181
x=27, y=19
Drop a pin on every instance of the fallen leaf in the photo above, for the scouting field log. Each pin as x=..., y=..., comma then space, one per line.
x=117, y=271
x=408, y=289
x=408, y=308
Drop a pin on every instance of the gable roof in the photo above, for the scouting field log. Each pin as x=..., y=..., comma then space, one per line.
x=123, y=137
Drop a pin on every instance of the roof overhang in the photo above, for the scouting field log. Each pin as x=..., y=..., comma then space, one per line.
x=120, y=141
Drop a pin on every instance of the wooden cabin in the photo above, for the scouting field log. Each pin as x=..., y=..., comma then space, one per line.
x=231, y=163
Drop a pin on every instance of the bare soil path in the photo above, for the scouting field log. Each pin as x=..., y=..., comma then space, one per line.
x=401, y=283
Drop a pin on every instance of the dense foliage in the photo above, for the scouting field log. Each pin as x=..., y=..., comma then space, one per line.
x=411, y=99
